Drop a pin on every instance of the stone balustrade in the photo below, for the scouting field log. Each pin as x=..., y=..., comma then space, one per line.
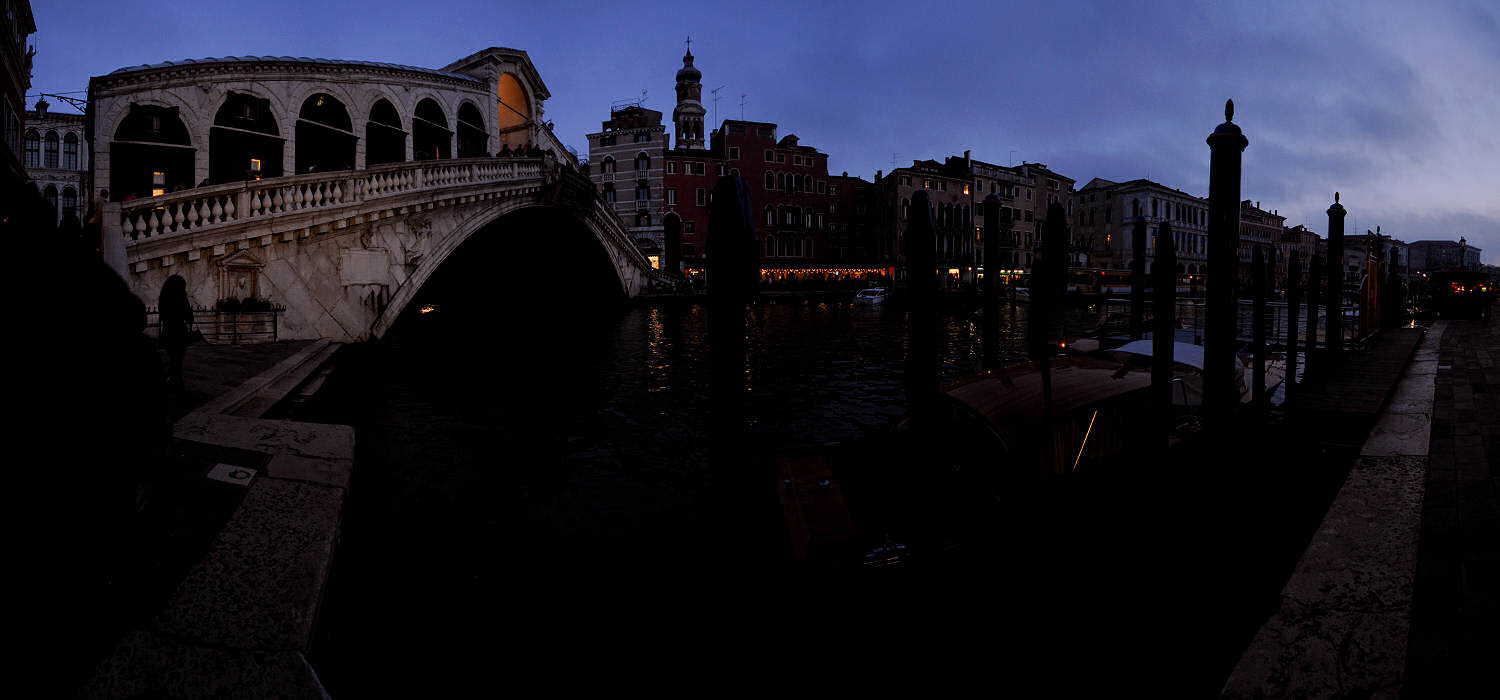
x=207, y=207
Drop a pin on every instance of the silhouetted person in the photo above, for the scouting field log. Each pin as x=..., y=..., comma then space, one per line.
x=505, y=150
x=176, y=321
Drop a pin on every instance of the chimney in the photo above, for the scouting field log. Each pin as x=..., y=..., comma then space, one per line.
x=878, y=175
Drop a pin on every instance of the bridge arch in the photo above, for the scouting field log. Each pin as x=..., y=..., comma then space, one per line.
x=515, y=110
x=245, y=141
x=152, y=147
x=325, y=137
x=444, y=247
x=385, y=138
x=432, y=139
x=473, y=139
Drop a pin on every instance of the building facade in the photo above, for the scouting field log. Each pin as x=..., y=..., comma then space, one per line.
x=56, y=159
x=1429, y=255
x=626, y=162
x=15, y=80
x=1301, y=240
x=949, y=189
x=1258, y=229
x=1107, y=212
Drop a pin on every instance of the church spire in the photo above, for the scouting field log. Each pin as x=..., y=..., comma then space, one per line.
x=689, y=114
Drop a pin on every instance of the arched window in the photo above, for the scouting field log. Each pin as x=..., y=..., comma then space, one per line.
x=642, y=162
x=50, y=194
x=431, y=137
x=33, y=149
x=70, y=201
x=151, y=146
x=770, y=180
x=472, y=140
x=513, y=111
x=608, y=166
x=70, y=151
x=49, y=154
x=385, y=140
x=325, y=137
x=770, y=216
x=244, y=143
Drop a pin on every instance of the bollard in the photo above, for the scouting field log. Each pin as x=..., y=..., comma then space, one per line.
x=1137, y=278
x=731, y=239
x=990, y=333
x=921, y=328
x=1164, y=333
x=1227, y=144
x=1395, y=300
x=1314, y=284
x=1333, y=305
x=672, y=241
x=1293, y=300
x=1258, y=330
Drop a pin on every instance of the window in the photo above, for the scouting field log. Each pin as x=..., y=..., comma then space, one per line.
x=671, y=196
x=49, y=158
x=50, y=194
x=608, y=165
x=906, y=179
x=33, y=149
x=766, y=132
x=822, y=187
x=737, y=129
x=158, y=183
x=698, y=168
x=643, y=138
x=607, y=140
x=770, y=246
x=642, y=192
x=687, y=227
x=770, y=180
x=905, y=209
x=966, y=189
x=833, y=189
x=70, y=201
x=770, y=216
x=721, y=170
x=926, y=184
x=702, y=201
x=70, y=151
x=780, y=157
x=642, y=162
x=770, y=155
x=609, y=191
x=642, y=218
x=1028, y=194
x=1028, y=215
x=672, y=167
x=734, y=152
x=1154, y=203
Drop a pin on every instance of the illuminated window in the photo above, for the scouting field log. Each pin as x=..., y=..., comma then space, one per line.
x=159, y=183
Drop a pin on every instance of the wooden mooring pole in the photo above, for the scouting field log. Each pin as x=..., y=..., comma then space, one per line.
x=1220, y=395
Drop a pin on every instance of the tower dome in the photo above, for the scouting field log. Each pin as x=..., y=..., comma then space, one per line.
x=688, y=72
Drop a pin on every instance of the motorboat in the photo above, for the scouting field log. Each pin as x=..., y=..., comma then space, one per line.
x=873, y=295
x=1189, y=359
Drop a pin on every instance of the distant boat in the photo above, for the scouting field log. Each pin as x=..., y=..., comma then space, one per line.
x=873, y=295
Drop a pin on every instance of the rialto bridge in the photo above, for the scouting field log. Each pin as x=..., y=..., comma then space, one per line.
x=334, y=188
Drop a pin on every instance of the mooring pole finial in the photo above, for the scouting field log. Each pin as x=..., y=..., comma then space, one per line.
x=1229, y=110
x=1335, y=198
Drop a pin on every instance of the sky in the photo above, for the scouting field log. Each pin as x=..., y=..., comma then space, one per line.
x=1393, y=104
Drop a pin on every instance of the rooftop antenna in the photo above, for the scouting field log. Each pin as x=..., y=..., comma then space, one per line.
x=715, y=92
x=742, y=106
x=1012, y=156
x=893, y=160
x=643, y=98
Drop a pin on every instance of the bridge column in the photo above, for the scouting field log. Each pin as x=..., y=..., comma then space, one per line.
x=112, y=239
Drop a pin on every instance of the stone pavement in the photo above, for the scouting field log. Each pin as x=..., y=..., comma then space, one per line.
x=237, y=616
x=1455, y=624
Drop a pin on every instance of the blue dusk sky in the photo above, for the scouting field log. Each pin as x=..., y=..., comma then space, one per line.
x=1394, y=104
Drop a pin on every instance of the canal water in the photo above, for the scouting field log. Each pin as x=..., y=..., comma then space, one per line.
x=496, y=448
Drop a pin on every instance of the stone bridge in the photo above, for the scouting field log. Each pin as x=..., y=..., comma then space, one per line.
x=335, y=188
x=345, y=252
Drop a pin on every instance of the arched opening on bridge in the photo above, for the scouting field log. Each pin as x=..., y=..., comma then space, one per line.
x=324, y=136
x=484, y=303
x=385, y=140
x=472, y=139
x=151, y=150
x=244, y=143
x=431, y=137
x=514, y=112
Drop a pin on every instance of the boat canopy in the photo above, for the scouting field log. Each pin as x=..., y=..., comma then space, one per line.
x=1185, y=353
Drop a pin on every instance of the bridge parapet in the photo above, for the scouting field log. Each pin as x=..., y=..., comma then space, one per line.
x=223, y=205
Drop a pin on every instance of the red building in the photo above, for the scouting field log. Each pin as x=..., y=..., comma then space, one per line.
x=809, y=225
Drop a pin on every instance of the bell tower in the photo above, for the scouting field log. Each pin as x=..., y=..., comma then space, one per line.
x=688, y=116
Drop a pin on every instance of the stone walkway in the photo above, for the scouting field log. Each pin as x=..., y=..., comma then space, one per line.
x=1455, y=625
